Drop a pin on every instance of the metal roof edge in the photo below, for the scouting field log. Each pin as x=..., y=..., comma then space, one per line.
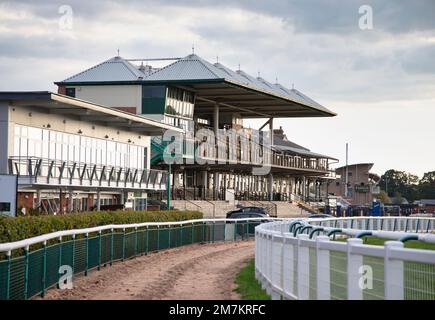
x=328, y=113
x=96, y=107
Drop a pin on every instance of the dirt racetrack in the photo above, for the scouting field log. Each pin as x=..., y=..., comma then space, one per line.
x=199, y=271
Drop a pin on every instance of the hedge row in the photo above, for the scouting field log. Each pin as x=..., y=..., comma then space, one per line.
x=14, y=229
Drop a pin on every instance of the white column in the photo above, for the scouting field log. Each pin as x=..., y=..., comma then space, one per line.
x=271, y=130
x=303, y=273
x=122, y=198
x=270, y=186
x=393, y=273
x=354, y=263
x=38, y=194
x=323, y=270
x=71, y=201
x=98, y=200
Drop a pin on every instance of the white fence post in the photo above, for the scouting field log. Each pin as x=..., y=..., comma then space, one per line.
x=257, y=251
x=276, y=276
x=393, y=273
x=323, y=270
x=354, y=263
x=303, y=273
x=288, y=265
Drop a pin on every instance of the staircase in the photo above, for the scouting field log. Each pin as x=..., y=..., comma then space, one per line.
x=210, y=209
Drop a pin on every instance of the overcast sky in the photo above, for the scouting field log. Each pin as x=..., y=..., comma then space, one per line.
x=380, y=81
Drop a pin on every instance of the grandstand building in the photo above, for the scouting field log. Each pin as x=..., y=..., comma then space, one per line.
x=194, y=95
x=60, y=154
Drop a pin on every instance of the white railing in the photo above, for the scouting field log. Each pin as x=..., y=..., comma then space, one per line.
x=291, y=264
x=49, y=172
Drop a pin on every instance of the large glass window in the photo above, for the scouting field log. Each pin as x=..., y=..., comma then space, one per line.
x=179, y=103
x=47, y=144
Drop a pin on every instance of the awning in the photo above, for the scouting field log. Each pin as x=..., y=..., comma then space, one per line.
x=87, y=111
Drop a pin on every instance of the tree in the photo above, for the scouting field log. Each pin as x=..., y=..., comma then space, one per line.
x=404, y=183
x=426, y=186
x=383, y=197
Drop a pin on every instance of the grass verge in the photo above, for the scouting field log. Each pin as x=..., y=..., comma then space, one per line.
x=247, y=286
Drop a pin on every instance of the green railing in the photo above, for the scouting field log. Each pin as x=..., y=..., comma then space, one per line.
x=29, y=267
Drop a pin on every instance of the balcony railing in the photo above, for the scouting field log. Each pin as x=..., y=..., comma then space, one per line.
x=48, y=172
x=245, y=150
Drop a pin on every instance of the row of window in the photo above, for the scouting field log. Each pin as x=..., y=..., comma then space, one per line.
x=49, y=144
x=179, y=103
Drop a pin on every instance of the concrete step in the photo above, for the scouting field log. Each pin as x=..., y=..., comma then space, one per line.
x=217, y=209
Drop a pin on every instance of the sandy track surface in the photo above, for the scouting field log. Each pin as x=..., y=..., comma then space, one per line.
x=199, y=271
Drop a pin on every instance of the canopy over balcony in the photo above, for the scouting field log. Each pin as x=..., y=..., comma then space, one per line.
x=60, y=104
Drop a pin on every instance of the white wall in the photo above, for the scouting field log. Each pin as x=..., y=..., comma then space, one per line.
x=112, y=95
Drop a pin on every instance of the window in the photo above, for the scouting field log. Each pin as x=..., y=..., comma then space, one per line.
x=60, y=146
x=5, y=207
x=154, y=91
x=179, y=103
x=70, y=92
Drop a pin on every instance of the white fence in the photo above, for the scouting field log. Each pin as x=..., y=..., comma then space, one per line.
x=291, y=264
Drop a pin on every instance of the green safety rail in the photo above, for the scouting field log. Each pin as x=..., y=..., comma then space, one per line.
x=31, y=273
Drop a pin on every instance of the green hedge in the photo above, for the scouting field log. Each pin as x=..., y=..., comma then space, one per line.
x=14, y=229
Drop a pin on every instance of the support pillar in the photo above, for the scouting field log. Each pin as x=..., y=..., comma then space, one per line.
x=39, y=201
x=71, y=201
x=98, y=200
x=270, y=186
x=122, y=197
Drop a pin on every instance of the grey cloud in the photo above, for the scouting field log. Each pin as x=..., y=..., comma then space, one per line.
x=420, y=60
x=321, y=16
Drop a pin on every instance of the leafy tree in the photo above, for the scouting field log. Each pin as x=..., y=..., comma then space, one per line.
x=383, y=197
x=404, y=183
x=426, y=186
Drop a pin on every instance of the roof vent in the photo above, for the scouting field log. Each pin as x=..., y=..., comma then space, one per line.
x=147, y=69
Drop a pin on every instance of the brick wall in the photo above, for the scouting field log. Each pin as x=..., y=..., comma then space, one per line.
x=25, y=200
x=127, y=109
x=61, y=90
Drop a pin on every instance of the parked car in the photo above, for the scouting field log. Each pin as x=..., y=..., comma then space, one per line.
x=248, y=210
x=320, y=215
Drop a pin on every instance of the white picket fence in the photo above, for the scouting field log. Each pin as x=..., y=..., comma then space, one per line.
x=313, y=266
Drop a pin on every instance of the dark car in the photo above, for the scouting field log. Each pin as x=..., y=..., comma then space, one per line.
x=246, y=228
x=320, y=215
x=248, y=210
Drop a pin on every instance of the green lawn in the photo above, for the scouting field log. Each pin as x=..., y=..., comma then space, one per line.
x=247, y=286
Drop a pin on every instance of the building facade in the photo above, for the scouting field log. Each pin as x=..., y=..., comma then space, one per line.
x=66, y=154
x=362, y=185
x=220, y=157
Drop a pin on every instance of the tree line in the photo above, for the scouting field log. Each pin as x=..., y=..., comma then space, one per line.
x=396, y=185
